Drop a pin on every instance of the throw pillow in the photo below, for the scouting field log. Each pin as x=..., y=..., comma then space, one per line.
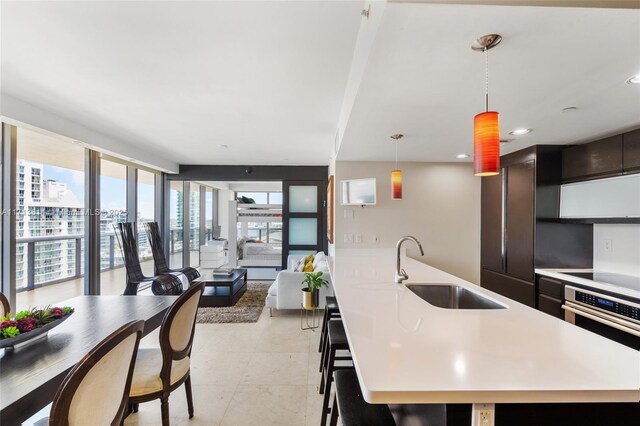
x=299, y=266
x=308, y=258
x=319, y=257
x=308, y=267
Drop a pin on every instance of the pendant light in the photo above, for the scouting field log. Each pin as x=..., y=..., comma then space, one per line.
x=396, y=175
x=486, y=125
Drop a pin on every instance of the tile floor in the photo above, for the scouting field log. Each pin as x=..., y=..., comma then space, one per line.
x=258, y=374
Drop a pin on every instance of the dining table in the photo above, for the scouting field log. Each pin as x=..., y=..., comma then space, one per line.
x=31, y=374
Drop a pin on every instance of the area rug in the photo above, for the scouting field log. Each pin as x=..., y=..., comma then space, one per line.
x=247, y=309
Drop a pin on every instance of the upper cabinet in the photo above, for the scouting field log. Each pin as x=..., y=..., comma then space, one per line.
x=631, y=151
x=607, y=157
x=592, y=160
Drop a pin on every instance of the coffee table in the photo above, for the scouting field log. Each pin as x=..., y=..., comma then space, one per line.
x=222, y=290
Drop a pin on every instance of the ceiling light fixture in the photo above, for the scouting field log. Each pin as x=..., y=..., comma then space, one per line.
x=520, y=132
x=460, y=156
x=506, y=140
x=396, y=175
x=634, y=80
x=486, y=125
x=568, y=109
x=223, y=146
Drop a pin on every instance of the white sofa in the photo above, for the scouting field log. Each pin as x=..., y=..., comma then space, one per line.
x=286, y=290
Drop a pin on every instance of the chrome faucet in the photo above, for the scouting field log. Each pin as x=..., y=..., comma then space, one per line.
x=401, y=275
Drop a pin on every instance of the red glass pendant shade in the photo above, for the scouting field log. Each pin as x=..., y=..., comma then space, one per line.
x=486, y=144
x=396, y=185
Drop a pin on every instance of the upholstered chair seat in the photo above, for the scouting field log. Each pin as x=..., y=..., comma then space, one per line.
x=97, y=387
x=158, y=372
x=146, y=375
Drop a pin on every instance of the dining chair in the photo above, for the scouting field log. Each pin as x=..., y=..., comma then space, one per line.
x=161, y=285
x=160, y=371
x=5, y=306
x=97, y=388
x=159, y=260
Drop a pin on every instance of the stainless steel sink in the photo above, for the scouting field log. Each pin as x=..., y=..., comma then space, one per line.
x=450, y=296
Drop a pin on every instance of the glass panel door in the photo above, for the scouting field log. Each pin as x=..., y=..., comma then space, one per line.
x=303, y=216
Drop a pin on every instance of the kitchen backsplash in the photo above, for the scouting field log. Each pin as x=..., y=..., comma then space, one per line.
x=616, y=248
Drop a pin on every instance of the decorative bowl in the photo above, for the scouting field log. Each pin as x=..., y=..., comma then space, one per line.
x=23, y=339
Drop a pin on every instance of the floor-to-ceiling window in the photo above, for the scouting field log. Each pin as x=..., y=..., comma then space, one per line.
x=52, y=208
x=194, y=224
x=208, y=219
x=268, y=232
x=49, y=216
x=176, y=221
x=146, y=213
x=113, y=210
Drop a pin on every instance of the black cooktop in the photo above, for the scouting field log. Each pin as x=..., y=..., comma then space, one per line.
x=620, y=280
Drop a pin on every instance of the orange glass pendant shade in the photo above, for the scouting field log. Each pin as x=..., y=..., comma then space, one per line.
x=486, y=144
x=396, y=185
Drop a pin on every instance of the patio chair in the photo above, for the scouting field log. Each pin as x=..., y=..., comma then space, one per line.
x=160, y=262
x=161, y=285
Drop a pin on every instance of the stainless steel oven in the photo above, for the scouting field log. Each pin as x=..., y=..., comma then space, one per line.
x=609, y=316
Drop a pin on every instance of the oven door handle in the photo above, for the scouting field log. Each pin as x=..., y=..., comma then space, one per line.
x=602, y=320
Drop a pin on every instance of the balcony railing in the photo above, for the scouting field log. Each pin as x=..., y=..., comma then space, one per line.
x=74, y=256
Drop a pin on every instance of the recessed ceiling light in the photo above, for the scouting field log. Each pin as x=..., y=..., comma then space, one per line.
x=462, y=156
x=568, y=109
x=520, y=132
x=223, y=146
x=506, y=140
x=284, y=159
x=634, y=80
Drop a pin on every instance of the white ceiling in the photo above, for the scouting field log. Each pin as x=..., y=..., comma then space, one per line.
x=180, y=78
x=423, y=79
x=268, y=79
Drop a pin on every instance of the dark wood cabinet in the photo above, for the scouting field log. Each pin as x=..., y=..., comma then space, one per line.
x=550, y=296
x=551, y=287
x=550, y=305
x=491, y=232
x=631, y=151
x=520, y=227
x=520, y=220
x=596, y=159
x=519, y=290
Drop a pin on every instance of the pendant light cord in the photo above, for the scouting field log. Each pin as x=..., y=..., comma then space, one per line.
x=396, y=154
x=486, y=79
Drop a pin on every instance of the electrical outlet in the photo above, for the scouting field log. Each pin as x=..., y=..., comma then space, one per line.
x=358, y=238
x=376, y=239
x=608, y=246
x=483, y=415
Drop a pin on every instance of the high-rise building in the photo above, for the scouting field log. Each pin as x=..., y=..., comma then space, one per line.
x=46, y=208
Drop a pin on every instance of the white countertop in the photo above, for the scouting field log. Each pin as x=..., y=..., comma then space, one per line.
x=408, y=351
x=592, y=283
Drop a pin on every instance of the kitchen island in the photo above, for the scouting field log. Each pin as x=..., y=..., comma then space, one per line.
x=407, y=351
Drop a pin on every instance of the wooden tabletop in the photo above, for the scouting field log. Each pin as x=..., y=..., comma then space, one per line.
x=31, y=375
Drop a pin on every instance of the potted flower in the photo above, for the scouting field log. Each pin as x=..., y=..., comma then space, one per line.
x=311, y=293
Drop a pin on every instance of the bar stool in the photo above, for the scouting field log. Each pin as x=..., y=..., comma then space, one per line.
x=336, y=341
x=353, y=410
x=331, y=310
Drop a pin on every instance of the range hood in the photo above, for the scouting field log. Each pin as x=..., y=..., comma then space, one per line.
x=603, y=199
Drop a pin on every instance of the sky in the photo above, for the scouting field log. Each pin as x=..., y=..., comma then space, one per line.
x=113, y=191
